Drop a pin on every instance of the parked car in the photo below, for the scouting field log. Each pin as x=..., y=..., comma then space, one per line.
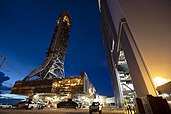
x=95, y=107
x=67, y=104
x=3, y=105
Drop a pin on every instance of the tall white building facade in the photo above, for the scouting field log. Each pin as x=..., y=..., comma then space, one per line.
x=141, y=29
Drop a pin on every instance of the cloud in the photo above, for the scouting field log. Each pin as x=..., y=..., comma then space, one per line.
x=3, y=78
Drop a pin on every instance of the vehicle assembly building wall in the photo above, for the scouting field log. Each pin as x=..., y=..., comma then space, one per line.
x=109, y=36
x=150, y=25
x=143, y=32
x=131, y=55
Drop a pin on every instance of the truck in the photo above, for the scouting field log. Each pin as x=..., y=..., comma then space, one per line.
x=95, y=107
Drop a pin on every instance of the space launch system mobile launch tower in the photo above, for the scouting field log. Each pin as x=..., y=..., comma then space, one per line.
x=49, y=77
x=53, y=65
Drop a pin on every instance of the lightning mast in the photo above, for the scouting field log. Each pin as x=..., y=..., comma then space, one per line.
x=4, y=58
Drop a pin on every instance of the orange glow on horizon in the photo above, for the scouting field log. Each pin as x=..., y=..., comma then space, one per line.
x=158, y=81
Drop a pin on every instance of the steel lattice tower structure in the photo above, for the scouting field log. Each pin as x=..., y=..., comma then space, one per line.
x=51, y=80
x=53, y=66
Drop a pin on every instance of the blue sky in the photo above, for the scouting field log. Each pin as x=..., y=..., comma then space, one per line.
x=26, y=29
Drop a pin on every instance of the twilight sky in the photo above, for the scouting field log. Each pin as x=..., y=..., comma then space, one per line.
x=26, y=29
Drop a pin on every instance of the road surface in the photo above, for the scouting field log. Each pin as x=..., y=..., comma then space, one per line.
x=55, y=111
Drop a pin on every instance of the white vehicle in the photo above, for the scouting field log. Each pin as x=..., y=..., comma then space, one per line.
x=31, y=105
x=95, y=107
x=5, y=105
